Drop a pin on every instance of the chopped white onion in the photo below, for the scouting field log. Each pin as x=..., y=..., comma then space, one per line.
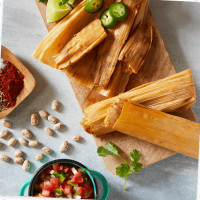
x=75, y=196
x=74, y=170
x=52, y=171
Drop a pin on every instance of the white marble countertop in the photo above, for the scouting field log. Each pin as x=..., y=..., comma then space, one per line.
x=172, y=179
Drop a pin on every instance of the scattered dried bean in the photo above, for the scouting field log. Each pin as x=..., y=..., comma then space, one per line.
x=4, y=133
x=77, y=138
x=33, y=143
x=39, y=156
x=4, y=158
x=43, y=114
x=18, y=153
x=19, y=160
x=6, y=123
x=52, y=119
x=26, y=165
x=23, y=142
x=34, y=119
x=58, y=126
x=64, y=146
x=46, y=150
x=55, y=105
x=26, y=133
x=12, y=142
x=49, y=131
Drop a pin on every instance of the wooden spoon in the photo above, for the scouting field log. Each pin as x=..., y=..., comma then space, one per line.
x=29, y=80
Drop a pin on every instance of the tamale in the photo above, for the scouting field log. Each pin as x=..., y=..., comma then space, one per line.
x=165, y=130
x=117, y=83
x=111, y=47
x=82, y=43
x=141, y=14
x=105, y=56
x=137, y=48
x=121, y=75
x=167, y=94
x=62, y=33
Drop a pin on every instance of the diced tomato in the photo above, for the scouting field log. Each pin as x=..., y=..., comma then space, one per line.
x=82, y=190
x=46, y=193
x=70, y=172
x=66, y=170
x=43, y=174
x=90, y=190
x=47, y=185
x=48, y=170
x=56, y=167
x=61, y=167
x=54, y=183
x=87, y=183
x=77, y=178
x=67, y=190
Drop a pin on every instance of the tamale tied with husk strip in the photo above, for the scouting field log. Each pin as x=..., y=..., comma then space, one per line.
x=165, y=130
x=82, y=43
x=167, y=94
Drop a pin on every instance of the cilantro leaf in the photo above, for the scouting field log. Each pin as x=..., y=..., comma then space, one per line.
x=123, y=170
x=135, y=155
x=136, y=166
x=110, y=149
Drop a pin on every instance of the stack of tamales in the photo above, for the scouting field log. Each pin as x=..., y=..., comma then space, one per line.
x=104, y=62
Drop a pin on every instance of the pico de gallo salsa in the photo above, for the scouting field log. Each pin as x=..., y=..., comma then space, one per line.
x=64, y=181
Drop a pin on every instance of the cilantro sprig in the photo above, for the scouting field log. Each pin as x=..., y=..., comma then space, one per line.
x=125, y=169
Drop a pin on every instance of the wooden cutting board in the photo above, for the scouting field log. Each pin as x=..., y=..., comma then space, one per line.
x=157, y=65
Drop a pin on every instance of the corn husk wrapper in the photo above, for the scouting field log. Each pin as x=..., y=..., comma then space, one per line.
x=82, y=43
x=165, y=130
x=100, y=64
x=64, y=31
x=137, y=48
x=168, y=94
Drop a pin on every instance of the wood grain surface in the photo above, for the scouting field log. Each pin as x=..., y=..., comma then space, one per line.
x=157, y=65
x=29, y=80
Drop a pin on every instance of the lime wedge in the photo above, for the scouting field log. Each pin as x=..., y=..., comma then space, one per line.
x=55, y=12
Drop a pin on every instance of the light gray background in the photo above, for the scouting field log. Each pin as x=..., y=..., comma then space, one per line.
x=171, y=179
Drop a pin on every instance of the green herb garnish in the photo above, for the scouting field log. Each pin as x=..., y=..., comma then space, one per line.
x=86, y=194
x=71, y=184
x=125, y=169
x=83, y=171
x=61, y=176
x=58, y=191
x=78, y=192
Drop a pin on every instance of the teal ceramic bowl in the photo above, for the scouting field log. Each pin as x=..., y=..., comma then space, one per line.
x=91, y=173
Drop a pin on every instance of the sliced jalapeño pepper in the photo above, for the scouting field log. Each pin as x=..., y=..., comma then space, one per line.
x=107, y=20
x=118, y=11
x=93, y=6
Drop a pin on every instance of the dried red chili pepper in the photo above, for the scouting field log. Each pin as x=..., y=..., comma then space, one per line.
x=11, y=84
